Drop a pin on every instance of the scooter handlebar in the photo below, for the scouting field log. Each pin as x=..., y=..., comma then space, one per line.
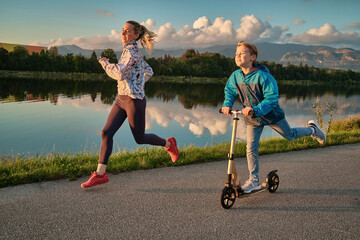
x=251, y=113
x=232, y=111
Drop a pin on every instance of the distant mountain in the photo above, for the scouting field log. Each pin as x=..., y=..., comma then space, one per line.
x=329, y=58
x=296, y=54
x=73, y=49
x=317, y=56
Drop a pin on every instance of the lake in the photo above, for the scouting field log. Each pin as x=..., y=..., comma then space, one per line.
x=44, y=116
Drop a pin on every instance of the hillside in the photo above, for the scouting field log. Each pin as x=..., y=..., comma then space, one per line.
x=296, y=54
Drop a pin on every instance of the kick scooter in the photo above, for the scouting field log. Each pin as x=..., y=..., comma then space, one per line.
x=231, y=191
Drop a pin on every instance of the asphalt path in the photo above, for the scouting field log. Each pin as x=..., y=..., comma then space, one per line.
x=318, y=198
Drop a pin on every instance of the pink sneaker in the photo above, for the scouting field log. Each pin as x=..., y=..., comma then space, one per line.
x=95, y=180
x=173, y=150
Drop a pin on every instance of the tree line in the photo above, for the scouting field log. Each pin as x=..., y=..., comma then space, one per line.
x=190, y=64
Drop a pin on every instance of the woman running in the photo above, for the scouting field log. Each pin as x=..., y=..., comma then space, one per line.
x=131, y=73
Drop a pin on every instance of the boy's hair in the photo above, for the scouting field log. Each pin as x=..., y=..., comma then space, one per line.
x=252, y=48
x=146, y=37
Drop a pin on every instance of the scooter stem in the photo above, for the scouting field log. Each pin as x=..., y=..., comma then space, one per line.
x=232, y=146
x=233, y=136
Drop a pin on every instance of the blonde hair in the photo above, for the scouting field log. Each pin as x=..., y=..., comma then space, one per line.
x=252, y=48
x=146, y=37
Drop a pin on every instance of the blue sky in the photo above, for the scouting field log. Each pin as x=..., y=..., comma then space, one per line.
x=97, y=24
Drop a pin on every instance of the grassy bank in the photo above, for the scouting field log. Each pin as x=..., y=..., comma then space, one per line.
x=20, y=169
x=166, y=79
x=101, y=77
x=53, y=75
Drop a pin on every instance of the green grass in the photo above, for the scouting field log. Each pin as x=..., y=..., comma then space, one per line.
x=53, y=75
x=102, y=77
x=21, y=169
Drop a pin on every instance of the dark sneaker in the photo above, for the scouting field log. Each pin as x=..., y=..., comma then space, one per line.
x=173, y=150
x=251, y=185
x=319, y=134
x=95, y=180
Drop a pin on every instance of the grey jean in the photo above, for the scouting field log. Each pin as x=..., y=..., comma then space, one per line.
x=253, y=134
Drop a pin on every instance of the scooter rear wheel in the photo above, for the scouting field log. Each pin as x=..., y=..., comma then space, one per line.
x=273, y=181
x=228, y=197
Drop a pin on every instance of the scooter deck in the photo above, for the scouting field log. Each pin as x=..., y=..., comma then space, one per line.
x=242, y=195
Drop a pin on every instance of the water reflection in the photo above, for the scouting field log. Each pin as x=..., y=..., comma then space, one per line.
x=190, y=95
x=40, y=116
x=196, y=120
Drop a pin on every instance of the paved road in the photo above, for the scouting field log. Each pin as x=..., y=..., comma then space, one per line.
x=318, y=198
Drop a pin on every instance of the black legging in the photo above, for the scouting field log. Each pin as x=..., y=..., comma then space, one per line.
x=134, y=110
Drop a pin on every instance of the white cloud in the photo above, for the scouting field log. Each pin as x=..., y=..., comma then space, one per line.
x=166, y=33
x=202, y=32
x=201, y=23
x=113, y=40
x=250, y=28
x=355, y=25
x=274, y=33
x=105, y=13
x=298, y=22
x=38, y=43
x=221, y=31
x=253, y=29
x=149, y=24
x=327, y=34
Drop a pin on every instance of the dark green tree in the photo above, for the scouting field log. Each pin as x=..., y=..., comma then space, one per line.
x=4, y=58
x=17, y=58
x=110, y=54
x=53, y=51
x=189, y=54
x=94, y=64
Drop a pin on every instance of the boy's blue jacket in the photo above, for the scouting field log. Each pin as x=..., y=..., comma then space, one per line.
x=257, y=90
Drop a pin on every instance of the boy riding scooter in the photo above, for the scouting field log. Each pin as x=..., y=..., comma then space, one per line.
x=258, y=93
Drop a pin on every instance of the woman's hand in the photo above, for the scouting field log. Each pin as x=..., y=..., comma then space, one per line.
x=103, y=59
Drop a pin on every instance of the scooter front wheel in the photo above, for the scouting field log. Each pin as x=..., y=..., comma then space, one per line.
x=228, y=197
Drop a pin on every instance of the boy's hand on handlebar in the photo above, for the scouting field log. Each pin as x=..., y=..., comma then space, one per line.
x=226, y=110
x=248, y=111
